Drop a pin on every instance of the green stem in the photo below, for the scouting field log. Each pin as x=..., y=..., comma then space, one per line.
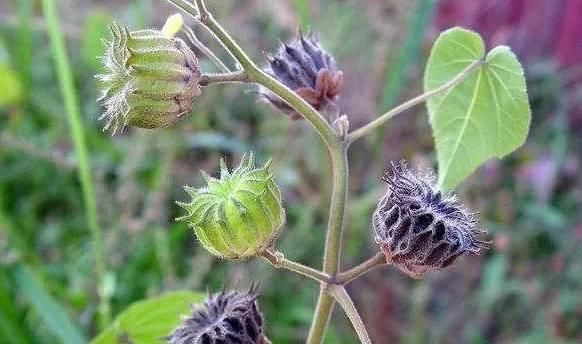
x=347, y=276
x=256, y=74
x=365, y=130
x=339, y=166
x=279, y=261
x=337, y=149
x=185, y=6
x=298, y=104
x=68, y=91
x=340, y=294
x=333, y=241
x=321, y=318
x=238, y=76
x=204, y=49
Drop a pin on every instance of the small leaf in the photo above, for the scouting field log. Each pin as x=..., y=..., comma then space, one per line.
x=487, y=115
x=149, y=321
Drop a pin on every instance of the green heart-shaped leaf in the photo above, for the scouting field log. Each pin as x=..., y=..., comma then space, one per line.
x=149, y=321
x=486, y=115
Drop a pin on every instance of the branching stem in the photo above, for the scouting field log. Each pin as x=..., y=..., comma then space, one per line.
x=340, y=294
x=366, y=129
x=257, y=75
x=336, y=148
x=357, y=271
x=333, y=241
x=238, y=76
x=278, y=260
x=204, y=49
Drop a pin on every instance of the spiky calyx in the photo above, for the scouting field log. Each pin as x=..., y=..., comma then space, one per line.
x=419, y=228
x=225, y=318
x=239, y=215
x=306, y=68
x=151, y=79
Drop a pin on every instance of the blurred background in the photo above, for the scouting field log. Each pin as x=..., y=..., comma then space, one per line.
x=527, y=288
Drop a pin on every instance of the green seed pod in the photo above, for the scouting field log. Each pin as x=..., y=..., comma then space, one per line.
x=239, y=215
x=151, y=80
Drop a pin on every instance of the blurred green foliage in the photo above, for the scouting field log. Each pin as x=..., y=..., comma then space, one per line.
x=526, y=289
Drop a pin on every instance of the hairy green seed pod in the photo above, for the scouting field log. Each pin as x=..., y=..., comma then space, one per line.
x=239, y=215
x=151, y=79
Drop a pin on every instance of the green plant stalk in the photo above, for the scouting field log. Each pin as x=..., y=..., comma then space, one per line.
x=323, y=310
x=278, y=261
x=339, y=164
x=368, y=128
x=229, y=77
x=257, y=75
x=340, y=294
x=204, y=49
x=68, y=91
x=357, y=271
x=333, y=240
x=337, y=150
x=25, y=45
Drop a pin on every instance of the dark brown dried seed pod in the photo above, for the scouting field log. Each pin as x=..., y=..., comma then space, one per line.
x=225, y=318
x=306, y=68
x=419, y=228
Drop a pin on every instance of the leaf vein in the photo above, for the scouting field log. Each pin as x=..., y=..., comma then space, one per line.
x=463, y=128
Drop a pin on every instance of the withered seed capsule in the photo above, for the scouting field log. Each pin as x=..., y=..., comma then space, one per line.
x=151, y=79
x=420, y=229
x=306, y=68
x=225, y=318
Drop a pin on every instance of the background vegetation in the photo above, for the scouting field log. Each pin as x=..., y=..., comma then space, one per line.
x=526, y=288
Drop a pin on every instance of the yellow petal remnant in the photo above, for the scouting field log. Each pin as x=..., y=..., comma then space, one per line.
x=173, y=24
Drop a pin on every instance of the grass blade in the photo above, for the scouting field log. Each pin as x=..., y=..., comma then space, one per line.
x=69, y=95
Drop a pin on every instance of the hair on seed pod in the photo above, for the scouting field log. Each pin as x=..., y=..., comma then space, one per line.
x=226, y=317
x=419, y=228
x=306, y=68
x=238, y=215
x=149, y=80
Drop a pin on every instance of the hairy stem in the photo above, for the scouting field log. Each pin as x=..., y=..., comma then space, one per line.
x=238, y=76
x=204, y=49
x=340, y=294
x=321, y=318
x=258, y=75
x=357, y=271
x=69, y=93
x=333, y=241
x=186, y=6
x=339, y=164
x=278, y=260
x=363, y=131
x=337, y=149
